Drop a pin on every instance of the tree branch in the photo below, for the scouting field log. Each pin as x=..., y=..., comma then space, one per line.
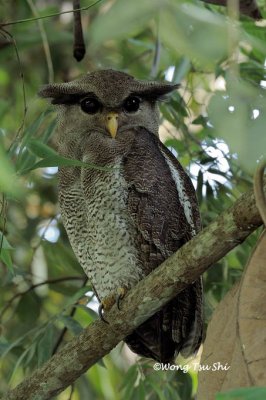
x=182, y=268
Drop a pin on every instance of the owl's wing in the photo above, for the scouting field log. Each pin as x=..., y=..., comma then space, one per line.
x=163, y=206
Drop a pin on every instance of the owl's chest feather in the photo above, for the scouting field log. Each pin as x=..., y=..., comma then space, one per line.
x=107, y=251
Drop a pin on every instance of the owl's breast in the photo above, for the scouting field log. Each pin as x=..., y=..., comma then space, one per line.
x=101, y=231
x=126, y=219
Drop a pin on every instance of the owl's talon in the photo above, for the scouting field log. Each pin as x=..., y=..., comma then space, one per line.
x=121, y=292
x=100, y=311
x=108, y=302
x=106, y=305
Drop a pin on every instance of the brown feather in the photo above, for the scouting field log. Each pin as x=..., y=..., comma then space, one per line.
x=154, y=205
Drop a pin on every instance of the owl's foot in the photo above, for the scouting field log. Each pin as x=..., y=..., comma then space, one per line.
x=108, y=302
x=120, y=294
x=105, y=305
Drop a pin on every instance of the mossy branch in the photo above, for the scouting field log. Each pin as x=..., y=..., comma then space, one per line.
x=182, y=268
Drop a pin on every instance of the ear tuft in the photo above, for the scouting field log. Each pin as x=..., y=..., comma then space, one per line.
x=48, y=91
x=62, y=93
x=155, y=90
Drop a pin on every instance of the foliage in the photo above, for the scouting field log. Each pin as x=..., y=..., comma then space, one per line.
x=214, y=124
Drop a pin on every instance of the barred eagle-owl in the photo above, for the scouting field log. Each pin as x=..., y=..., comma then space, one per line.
x=124, y=220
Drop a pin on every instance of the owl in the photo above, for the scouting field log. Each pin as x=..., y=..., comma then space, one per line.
x=134, y=207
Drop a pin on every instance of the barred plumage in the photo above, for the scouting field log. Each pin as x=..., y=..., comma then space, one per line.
x=126, y=219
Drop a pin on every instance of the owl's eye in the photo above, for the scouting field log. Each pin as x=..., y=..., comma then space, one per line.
x=131, y=104
x=90, y=105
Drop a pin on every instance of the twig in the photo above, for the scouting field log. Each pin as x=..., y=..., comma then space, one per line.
x=157, y=54
x=3, y=213
x=72, y=391
x=3, y=31
x=45, y=42
x=21, y=21
x=33, y=286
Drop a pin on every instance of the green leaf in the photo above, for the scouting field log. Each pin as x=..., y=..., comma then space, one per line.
x=4, y=104
x=181, y=69
x=200, y=120
x=45, y=345
x=59, y=257
x=129, y=382
x=33, y=129
x=93, y=314
x=28, y=308
x=48, y=131
x=59, y=161
x=140, y=391
x=63, y=288
x=157, y=389
x=4, y=243
x=31, y=355
x=239, y=117
x=30, y=349
x=167, y=114
x=79, y=293
x=101, y=363
x=178, y=145
x=5, y=253
x=33, y=333
x=40, y=149
x=8, y=178
x=258, y=393
x=198, y=34
x=134, y=14
x=25, y=158
x=71, y=324
x=130, y=377
x=4, y=345
x=184, y=382
x=25, y=161
x=5, y=256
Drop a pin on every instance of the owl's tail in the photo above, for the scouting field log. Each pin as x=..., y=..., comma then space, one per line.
x=176, y=328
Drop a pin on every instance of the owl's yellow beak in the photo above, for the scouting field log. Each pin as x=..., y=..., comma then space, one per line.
x=112, y=123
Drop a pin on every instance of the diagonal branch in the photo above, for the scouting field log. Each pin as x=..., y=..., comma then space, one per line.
x=182, y=268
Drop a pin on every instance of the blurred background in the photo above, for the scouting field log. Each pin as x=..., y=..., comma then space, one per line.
x=214, y=124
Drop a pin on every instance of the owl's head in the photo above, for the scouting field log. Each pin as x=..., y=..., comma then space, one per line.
x=107, y=102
